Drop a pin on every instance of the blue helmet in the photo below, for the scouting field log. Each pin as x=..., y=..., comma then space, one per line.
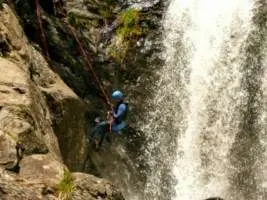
x=117, y=95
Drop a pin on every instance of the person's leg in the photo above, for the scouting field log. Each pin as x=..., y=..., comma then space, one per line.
x=101, y=139
x=108, y=138
x=118, y=127
x=95, y=143
x=104, y=129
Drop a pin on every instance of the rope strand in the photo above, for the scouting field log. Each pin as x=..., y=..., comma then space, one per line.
x=41, y=29
x=89, y=65
x=81, y=48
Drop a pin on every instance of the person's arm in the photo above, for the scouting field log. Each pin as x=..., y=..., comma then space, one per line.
x=121, y=110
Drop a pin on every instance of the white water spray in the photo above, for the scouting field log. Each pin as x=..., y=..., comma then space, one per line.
x=214, y=82
x=201, y=103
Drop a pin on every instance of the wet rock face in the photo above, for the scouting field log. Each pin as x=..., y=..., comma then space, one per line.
x=118, y=161
x=98, y=189
x=69, y=124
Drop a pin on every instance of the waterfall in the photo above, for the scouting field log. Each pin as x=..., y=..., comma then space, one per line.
x=206, y=128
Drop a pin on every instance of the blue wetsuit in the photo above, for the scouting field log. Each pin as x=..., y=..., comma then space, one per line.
x=119, y=114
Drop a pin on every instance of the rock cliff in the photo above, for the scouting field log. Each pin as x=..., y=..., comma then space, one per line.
x=42, y=126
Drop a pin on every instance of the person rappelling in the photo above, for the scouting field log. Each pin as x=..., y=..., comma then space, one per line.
x=115, y=121
x=116, y=116
x=119, y=112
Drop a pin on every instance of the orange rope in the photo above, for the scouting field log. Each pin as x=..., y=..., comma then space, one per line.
x=81, y=47
x=38, y=14
x=89, y=65
x=87, y=60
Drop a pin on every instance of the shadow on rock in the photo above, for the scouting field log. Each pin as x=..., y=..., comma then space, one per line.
x=119, y=161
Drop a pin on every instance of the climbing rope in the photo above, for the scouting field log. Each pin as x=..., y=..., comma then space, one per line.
x=89, y=65
x=41, y=29
x=81, y=48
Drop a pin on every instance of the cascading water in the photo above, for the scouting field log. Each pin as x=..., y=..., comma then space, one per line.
x=206, y=131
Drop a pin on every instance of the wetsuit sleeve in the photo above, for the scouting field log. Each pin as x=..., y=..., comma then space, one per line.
x=121, y=110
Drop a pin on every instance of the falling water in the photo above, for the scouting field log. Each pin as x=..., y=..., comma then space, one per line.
x=206, y=129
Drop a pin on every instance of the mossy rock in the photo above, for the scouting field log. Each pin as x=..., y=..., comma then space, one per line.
x=129, y=30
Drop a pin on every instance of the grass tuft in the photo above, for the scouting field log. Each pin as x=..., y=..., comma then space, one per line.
x=66, y=186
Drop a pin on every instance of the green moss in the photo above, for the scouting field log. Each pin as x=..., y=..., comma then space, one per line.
x=106, y=12
x=128, y=32
x=129, y=18
x=66, y=186
x=129, y=27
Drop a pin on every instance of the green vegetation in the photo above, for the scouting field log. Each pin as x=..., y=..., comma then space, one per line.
x=129, y=17
x=76, y=21
x=66, y=186
x=106, y=12
x=128, y=32
x=128, y=22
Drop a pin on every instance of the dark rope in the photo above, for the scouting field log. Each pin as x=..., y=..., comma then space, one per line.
x=89, y=65
x=41, y=29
